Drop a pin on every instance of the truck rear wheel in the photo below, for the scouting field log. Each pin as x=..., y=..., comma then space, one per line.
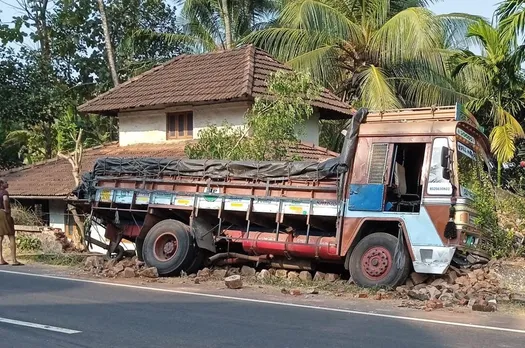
x=169, y=247
x=372, y=262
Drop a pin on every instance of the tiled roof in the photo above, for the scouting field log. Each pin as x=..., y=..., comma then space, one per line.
x=53, y=178
x=236, y=74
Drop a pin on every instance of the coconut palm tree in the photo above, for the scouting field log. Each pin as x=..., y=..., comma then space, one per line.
x=210, y=25
x=368, y=52
x=499, y=92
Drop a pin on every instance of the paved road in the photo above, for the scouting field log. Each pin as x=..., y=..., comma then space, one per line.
x=126, y=317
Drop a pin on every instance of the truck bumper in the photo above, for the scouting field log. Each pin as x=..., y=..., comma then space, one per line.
x=432, y=259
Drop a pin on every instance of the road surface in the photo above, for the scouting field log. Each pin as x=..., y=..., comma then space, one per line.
x=46, y=312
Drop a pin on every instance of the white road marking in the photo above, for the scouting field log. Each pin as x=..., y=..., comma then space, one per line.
x=275, y=303
x=39, y=326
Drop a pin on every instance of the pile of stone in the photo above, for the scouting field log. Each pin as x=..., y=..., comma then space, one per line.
x=479, y=288
x=125, y=268
x=267, y=274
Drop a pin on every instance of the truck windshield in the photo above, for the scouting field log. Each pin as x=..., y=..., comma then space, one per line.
x=468, y=173
x=473, y=169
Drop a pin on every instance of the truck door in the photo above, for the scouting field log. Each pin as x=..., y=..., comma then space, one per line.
x=370, y=195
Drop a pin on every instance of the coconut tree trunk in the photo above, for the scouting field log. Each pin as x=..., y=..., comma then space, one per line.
x=75, y=159
x=227, y=24
x=107, y=39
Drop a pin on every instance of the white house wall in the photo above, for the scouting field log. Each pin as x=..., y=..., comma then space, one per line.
x=233, y=113
x=310, y=133
x=57, y=209
x=149, y=126
x=139, y=127
x=97, y=232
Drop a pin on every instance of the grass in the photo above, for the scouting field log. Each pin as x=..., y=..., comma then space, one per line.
x=339, y=286
x=69, y=260
x=512, y=307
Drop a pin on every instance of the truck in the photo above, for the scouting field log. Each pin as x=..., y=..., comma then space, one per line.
x=396, y=200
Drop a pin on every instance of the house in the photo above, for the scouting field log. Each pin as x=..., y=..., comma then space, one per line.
x=163, y=109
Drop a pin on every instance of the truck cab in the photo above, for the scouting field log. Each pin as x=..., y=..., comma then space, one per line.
x=412, y=175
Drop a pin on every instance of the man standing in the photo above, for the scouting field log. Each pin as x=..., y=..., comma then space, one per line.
x=7, y=225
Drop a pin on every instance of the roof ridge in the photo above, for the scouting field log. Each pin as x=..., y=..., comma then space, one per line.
x=249, y=70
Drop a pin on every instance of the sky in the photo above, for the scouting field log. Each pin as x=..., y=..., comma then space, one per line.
x=479, y=7
x=483, y=8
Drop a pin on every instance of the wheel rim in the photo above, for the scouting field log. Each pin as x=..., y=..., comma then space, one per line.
x=165, y=246
x=376, y=263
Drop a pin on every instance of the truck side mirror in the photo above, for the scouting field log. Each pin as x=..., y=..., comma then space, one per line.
x=445, y=153
x=445, y=162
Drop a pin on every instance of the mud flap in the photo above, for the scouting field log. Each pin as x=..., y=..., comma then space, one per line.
x=202, y=231
x=399, y=254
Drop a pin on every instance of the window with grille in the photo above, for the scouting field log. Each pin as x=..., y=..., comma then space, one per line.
x=180, y=125
x=377, y=163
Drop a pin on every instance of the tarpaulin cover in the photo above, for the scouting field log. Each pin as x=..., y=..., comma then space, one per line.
x=215, y=169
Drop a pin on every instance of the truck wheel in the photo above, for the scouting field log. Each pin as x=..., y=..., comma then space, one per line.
x=198, y=260
x=169, y=247
x=117, y=255
x=372, y=262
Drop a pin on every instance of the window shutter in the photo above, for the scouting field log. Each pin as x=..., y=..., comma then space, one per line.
x=377, y=164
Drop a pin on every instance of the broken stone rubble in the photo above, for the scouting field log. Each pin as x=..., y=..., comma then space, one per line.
x=478, y=288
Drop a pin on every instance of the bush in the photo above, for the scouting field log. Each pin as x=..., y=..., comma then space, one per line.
x=272, y=125
x=500, y=216
x=28, y=243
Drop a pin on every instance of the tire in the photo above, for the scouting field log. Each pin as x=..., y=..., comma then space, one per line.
x=117, y=255
x=198, y=261
x=372, y=262
x=169, y=247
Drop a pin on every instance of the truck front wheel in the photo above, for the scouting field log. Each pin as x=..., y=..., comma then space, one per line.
x=169, y=247
x=372, y=262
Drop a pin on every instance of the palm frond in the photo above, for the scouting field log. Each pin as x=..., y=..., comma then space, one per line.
x=504, y=118
x=376, y=92
x=17, y=138
x=511, y=14
x=502, y=140
x=321, y=63
x=455, y=28
x=408, y=35
x=422, y=86
x=306, y=50
x=319, y=16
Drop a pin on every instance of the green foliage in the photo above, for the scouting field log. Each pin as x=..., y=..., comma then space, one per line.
x=224, y=142
x=496, y=212
x=500, y=93
x=272, y=125
x=69, y=260
x=28, y=243
x=41, y=88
